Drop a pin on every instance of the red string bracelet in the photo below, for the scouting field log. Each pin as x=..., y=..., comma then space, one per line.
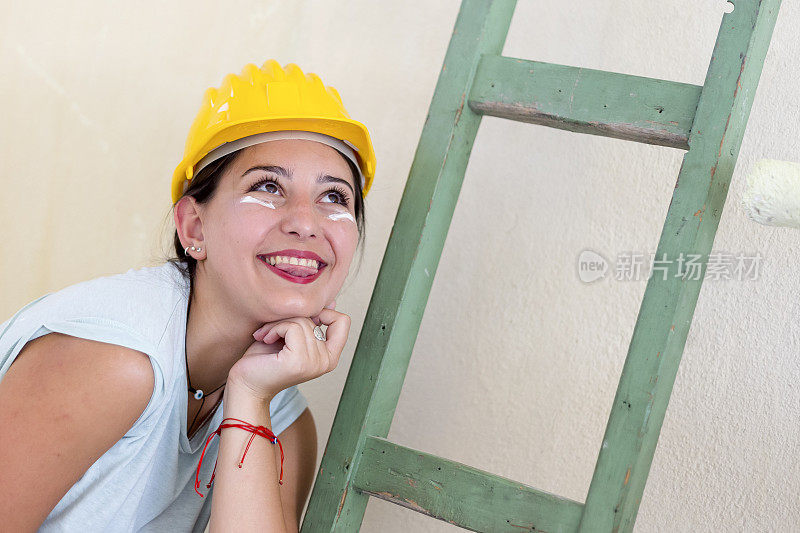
x=262, y=431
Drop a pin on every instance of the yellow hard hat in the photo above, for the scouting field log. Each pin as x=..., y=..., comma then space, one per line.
x=270, y=99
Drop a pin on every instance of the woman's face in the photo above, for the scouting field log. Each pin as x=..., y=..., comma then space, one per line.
x=278, y=205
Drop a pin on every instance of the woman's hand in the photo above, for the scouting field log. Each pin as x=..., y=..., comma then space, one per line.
x=286, y=353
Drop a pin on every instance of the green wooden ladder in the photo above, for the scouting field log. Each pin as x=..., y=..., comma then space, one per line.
x=708, y=121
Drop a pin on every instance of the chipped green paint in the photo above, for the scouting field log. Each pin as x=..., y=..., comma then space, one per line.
x=584, y=100
x=459, y=494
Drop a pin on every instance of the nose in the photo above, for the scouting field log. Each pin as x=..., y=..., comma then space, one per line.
x=301, y=219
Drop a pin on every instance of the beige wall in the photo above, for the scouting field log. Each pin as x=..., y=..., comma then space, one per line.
x=517, y=360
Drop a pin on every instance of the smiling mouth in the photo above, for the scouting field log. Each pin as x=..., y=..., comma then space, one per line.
x=294, y=269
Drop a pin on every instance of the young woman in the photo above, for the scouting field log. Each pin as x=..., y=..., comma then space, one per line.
x=112, y=389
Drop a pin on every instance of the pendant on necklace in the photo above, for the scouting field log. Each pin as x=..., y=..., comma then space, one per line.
x=198, y=395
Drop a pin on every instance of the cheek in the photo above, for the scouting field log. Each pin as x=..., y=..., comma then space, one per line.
x=343, y=235
x=251, y=219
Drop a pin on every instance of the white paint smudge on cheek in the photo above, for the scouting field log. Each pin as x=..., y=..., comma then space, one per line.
x=250, y=200
x=342, y=216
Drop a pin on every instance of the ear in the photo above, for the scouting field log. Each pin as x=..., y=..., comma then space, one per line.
x=190, y=225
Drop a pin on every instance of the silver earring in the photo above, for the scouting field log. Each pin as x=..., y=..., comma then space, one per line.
x=186, y=250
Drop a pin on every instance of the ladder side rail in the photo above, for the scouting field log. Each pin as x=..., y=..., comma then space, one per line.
x=668, y=305
x=394, y=315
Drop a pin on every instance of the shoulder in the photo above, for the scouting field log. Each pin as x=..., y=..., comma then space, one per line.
x=143, y=309
x=86, y=375
x=71, y=400
x=129, y=297
x=138, y=296
x=62, y=357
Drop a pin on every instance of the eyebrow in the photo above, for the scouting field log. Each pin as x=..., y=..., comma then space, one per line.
x=275, y=169
x=327, y=178
x=270, y=168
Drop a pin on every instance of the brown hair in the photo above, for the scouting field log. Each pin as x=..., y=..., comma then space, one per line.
x=203, y=186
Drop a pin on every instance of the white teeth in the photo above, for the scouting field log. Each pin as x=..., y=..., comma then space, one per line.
x=275, y=259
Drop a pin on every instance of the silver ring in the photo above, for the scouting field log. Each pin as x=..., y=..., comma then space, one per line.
x=319, y=334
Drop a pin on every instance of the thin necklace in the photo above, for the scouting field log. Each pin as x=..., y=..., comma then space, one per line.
x=198, y=393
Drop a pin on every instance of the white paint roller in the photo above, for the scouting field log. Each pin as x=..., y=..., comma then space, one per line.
x=772, y=197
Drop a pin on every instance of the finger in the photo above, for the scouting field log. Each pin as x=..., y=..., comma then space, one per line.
x=338, y=328
x=328, y=316
x=292, y=333
x=301, y=340
x=275, y=333
x=264, y=329
x=330, y=305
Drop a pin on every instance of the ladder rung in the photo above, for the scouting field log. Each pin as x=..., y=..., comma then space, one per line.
x=459, y=494
x=584, y=100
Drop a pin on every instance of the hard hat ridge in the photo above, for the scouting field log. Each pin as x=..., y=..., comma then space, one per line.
x=270, y=99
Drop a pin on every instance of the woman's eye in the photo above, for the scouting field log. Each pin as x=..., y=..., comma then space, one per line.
x=339, y=197
x=267, y=185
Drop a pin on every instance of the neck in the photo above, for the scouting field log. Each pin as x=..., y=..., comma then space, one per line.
x=216, y=337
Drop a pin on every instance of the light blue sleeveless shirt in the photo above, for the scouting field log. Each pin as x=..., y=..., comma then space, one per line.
x=144, y=482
